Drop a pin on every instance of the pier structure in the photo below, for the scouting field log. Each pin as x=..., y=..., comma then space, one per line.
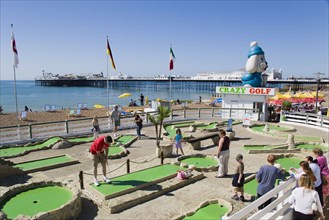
x=176, y=84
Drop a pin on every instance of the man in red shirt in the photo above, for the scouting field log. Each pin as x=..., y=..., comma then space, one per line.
x=99, y=150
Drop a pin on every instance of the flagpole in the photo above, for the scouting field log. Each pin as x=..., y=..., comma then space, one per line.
x=170, y=80
x=107, y=80
x=15, y=92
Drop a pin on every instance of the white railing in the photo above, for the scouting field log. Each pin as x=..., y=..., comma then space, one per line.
x=307, y=118
x=280, y=208
x=83, y=125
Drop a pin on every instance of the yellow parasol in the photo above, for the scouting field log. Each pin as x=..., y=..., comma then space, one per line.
x=320, y=95
x=307, y=95
x=99, y=106
x=297, y=95
x=146, y=100
x=124, y=95
x=287, y=95
x=277, y=97
x=158, y=99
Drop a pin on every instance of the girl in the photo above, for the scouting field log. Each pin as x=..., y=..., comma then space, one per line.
x=323, y=164
x=95, y=129
x=178, y=141
x=139, y=122
x=238, y=179
x=302, y=199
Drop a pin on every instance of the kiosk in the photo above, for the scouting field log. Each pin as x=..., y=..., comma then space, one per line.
x=245, y=98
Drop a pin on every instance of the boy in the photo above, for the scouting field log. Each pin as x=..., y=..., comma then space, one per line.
x=238, y=179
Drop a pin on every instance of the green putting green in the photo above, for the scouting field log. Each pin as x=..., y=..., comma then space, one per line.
x=132, y=180
x=260, y=128
x=212, y=125
x=34, y=201
x=201, y=162
x=254, y=147
x=12, y=151
x=183, y=125
x=43, y=163
x=211, y=211
x=81, y=139
x=124, y=139
x=312, y=146
x=113, y=150
x=287, y=162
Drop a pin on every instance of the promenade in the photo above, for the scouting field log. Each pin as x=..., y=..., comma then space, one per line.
x=169, y=205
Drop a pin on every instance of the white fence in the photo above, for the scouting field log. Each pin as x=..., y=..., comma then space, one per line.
x=307, y=118
x=83, y=126
x=280, y=208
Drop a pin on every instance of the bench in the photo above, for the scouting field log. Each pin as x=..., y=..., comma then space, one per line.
x=196, y=141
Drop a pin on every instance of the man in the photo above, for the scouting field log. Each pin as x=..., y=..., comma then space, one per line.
x=115, y=117
x=142, y=100
x=266, y=178
x=223, y=154
x=99, y=150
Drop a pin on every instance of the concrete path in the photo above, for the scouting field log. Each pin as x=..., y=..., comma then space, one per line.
x=168, y=205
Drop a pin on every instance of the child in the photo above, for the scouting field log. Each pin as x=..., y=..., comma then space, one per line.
x=238, y=179
x=95, y=129
x=178, y=141
x=139, y=123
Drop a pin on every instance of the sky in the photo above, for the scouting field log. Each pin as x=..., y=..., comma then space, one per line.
x=65, y=37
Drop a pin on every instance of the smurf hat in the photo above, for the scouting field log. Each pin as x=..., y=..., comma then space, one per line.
x=255, y=49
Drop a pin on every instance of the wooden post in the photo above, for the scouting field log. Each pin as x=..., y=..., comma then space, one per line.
x=66, y=126
x=212, y=112
x=128, y=166
x=162, y=157
x=81, y=180
x=172, y=115
x=199, y=112
x=30, y=131
x=184, y=112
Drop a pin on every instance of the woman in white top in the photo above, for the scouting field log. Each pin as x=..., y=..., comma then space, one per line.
x=302, y=199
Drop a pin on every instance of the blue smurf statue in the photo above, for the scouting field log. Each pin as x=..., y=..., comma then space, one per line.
x=256, y=64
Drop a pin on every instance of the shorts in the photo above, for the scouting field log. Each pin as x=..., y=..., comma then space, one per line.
x=99, y=159
x=178, y=145
x=117, y=123
x=238, y=189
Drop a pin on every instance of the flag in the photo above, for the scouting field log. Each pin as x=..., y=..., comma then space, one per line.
x=108, y=50
x=13, y=45
x=172, y=59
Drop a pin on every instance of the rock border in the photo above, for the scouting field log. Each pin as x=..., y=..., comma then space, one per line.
x=178, y=161
x=204, y=204
x=67, y=211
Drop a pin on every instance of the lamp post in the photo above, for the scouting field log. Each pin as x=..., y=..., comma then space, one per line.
x=318, y=79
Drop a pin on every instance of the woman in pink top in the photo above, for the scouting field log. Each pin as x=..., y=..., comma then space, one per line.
x=323, y=164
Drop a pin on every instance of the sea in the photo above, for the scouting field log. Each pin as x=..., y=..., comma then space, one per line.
x=36, y=97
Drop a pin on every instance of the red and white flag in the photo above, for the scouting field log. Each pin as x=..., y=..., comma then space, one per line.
x=13, y=45
x=171, y=59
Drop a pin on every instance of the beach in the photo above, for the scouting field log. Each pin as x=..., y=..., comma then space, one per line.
x=9, y=119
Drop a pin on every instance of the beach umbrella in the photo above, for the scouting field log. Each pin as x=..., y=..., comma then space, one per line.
x=277, y=97
x=320, y=95
x=99, y=106
x=297, y=95
x=276, y=102
x=146, y=100
x=124, y=95
x=307, y=95
x=287, y=95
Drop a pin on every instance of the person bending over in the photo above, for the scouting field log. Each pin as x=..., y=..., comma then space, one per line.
x=99, y=150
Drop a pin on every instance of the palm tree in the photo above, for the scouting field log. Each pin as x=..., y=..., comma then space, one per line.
x=163, y=112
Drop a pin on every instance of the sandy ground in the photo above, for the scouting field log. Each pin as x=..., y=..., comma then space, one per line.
x=8, y=119
x=171, y=204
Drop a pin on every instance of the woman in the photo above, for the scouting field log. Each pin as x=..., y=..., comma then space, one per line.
x=323, y=164
x=304, y=169
x=95, y=129
x=223, y=154
x=139, y=123
x=302, y=199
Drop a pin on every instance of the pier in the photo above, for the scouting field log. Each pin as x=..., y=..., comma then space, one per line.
x=176, y=84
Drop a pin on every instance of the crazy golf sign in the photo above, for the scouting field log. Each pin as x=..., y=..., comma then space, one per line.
x=245, y=91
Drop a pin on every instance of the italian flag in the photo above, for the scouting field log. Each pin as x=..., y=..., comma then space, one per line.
x=171, y=59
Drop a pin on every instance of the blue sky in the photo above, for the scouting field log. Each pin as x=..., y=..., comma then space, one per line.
x=70, y=36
